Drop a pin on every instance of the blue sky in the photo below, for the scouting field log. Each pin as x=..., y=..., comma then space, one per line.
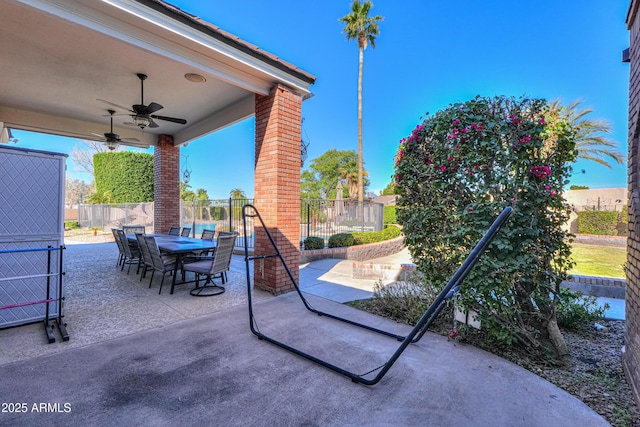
x=429, y=54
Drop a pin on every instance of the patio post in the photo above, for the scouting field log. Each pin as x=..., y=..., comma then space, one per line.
x=277, y=186
x=166, y=184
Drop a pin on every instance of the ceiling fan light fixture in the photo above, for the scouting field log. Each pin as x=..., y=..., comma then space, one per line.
x=141, y=121
x=112, y=145
x=195, y=78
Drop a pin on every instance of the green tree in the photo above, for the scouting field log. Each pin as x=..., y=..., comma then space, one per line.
x=237, y=193
x=389, y=190
x=186, y=193
x=455, y=173
x=590, y=141
x=359, y=26
x=321, y=178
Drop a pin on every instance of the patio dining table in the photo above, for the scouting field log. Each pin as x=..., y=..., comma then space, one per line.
x=178, y=246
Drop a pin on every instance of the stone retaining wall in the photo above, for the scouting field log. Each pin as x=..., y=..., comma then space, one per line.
x=356, y=253
x=609, y=241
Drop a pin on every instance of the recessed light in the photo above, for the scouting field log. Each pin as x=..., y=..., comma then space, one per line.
x=195, y=78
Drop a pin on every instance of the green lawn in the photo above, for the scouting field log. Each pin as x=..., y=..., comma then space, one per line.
x=598, y=261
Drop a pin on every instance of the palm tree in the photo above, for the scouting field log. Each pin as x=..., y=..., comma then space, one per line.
x=590, y=142
x=237, y=193
x=359, y=26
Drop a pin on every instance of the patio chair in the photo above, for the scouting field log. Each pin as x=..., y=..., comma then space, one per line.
x=159, y=262
x=225, y=233
x=213, y=267
x=119, y=245
x=208, y=234
x=146, y=256
x=174, y=230
x=131, y=251
x=133, y=229
x=185, y=231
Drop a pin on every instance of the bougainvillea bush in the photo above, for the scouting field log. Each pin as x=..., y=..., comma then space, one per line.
x=455, y=173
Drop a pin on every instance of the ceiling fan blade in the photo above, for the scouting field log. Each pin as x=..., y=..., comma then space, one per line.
x=170, y=119
x=99, y=135
x=152, y=124
x=115, y=105
x=152, y=108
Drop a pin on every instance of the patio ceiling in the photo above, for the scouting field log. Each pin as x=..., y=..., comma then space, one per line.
x=59, y=58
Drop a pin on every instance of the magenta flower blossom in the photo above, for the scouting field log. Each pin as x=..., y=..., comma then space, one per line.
x=540, y=172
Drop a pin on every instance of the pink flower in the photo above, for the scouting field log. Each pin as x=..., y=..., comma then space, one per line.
x=470, y=210
x=456, y=122
x=524, y=139
x=541, y=120
x=540, y=172
x=443, y=168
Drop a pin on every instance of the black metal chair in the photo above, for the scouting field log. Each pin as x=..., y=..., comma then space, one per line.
x=185, y=231
x=133, y=229
x=131, y=251
x=159, y=262
x=174, y=230
x=213, y=267
x=119, y=244
x=208, y=234
x=146, y=260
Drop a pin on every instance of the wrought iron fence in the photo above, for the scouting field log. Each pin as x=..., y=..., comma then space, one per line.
x=324, y=218
x=318, y=218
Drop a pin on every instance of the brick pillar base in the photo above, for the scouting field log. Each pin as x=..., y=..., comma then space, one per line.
x=166, y=184
x=277, y=187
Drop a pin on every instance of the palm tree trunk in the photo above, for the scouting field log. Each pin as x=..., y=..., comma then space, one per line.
x=360, y=161
x=360, y=168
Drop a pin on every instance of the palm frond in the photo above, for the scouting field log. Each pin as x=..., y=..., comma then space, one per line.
x=590, y=142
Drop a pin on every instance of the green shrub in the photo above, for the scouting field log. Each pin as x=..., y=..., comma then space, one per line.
x=71, y=224
x=341, y=240
x=403, y=301
x=575, y=311
x=598, y=222
x=390, y=215
x=455, y=173
x=311, y=243
x=364, y=237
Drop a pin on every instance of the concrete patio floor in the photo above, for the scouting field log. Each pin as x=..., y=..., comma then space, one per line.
x=138, y=358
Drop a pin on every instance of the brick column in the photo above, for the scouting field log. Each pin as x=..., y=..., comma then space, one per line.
x=631, y=353
x=166, y=184
x=277, y=186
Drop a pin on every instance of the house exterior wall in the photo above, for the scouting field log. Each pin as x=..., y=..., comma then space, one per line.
x=166, y=184
x=631, y=353
x=277, y=186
